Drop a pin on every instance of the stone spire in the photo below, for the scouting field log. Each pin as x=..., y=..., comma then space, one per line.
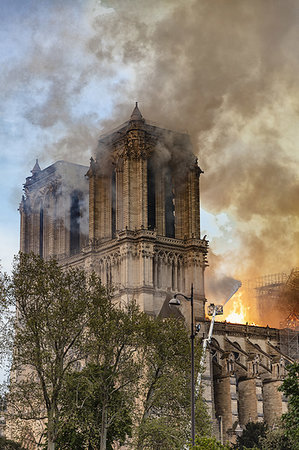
x=136, y=114
x=36, y=169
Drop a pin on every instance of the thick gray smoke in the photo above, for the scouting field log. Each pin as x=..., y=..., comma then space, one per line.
x=225, y=71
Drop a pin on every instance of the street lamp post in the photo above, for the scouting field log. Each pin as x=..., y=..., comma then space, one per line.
x=213, y=310
x=176, y=302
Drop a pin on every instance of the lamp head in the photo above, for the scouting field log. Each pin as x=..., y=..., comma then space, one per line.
x=174, y=302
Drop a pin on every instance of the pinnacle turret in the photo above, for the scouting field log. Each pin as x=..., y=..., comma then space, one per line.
x=136, y=114
x=36, y=169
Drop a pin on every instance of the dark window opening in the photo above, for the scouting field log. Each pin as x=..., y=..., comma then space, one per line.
x=75, y=225
x=169, y=207
x=237, y=356
x=41, y=232
x=151, y=197
x=113, y=204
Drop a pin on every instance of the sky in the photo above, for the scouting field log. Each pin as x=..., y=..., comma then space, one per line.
x=226, y=72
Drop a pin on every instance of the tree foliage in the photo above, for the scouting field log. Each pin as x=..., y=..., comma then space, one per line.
x=82, y=411
x=165, y=415
x=6, y=444
x=277, y=439
x=94, y=372
x=208, y=443
x=53, y=309
x=290, y=388
x=141, y=388
x=250, y=438
x=5, y=321
x=98, y=401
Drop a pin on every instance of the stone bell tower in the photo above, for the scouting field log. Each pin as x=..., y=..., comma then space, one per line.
x=133, y=216
x=144, y=214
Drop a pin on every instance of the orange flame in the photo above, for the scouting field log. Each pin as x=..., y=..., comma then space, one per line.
x=237, y=310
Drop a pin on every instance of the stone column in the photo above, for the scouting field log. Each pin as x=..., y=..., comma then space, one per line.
x=259, y=397
x=207, y=386
x=272, y=401
x=247, y=400
x=51, y=224
x=34, y=232
x=155, y=281
x=223, y=404
x=92, y=204
x=126, y=193
x=103, y=215
x=193, y=180
x=160, y=206
x=142, y=190
x=181, y=226
x=175, y=275
x=169, y=273
x=159, y=269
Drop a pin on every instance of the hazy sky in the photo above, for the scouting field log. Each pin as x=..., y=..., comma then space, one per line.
x=226, y=71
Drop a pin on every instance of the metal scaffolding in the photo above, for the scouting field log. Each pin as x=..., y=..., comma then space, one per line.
x=289, y=341
x=279, y=292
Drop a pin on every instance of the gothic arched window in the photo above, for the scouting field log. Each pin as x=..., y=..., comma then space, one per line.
x=75, y=224
x=41, y=232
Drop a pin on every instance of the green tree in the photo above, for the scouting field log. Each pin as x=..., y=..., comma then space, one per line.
x=53, y=309
x=277, y=439
x=208, y=443
x=93, y=371
x=98, y=401
x=290, y=388
x=81, y=414
x=250, y=438
x=6, y=444
x=6, y=327
x=137, y=382
x=165, y=411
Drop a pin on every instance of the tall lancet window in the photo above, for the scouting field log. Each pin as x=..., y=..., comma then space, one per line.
x=113, y=204
x=41, y=232
x=169, y=207
x=151, y=197
x=75, y=224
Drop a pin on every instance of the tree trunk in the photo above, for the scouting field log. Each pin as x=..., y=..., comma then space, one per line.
x=51, y=445
x=51, y=430
x=104, y=429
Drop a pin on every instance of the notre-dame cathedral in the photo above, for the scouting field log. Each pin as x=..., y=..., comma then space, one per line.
x=133, y=216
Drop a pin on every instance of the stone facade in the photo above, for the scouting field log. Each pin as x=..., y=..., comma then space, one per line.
x=141, y=207
x=244, y=369
x=133, y=217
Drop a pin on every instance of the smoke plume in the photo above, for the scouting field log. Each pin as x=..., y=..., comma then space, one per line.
x=224, y=71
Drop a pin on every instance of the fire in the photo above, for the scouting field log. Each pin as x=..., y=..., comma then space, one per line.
x=237, y=310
